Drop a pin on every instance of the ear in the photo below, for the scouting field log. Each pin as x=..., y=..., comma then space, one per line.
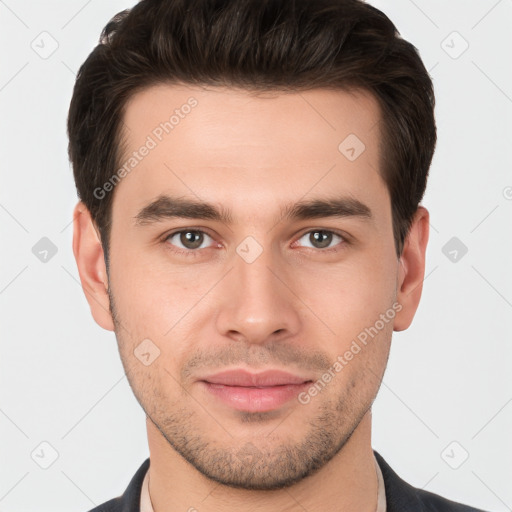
x=90, y=260
x=411, y=269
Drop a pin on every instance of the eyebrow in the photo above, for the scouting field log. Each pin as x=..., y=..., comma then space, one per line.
x=170, y=207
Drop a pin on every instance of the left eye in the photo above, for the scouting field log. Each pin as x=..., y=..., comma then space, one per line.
x=189, y=239
x=320, y=239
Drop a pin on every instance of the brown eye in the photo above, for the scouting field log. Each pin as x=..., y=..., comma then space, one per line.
x=320, y=238
x=187, y=239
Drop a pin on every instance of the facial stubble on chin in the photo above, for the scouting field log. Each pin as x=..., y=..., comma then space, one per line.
x=257, y=464
x=269, y=466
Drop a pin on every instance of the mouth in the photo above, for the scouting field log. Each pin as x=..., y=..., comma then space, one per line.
x=255, y=392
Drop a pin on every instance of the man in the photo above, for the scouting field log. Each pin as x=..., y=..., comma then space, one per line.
x=249, y=175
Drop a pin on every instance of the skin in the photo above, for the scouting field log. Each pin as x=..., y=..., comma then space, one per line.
x=295, y=308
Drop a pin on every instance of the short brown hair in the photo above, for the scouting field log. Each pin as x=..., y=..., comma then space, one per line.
x=258, y=45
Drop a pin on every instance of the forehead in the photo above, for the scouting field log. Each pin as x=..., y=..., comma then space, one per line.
x=227, y=145
x=248, y=118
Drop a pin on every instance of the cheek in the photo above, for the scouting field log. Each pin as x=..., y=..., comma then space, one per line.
x=362, y=361
x=151, y=297
x=349, y=297
x=157, y=317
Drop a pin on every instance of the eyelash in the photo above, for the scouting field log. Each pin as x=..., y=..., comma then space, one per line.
x=195, y=252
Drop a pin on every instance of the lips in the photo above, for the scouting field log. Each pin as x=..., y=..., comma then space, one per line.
x=254, y=392
x=243, y=378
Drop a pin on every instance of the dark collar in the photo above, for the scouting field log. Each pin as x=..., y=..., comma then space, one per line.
x=400, y=496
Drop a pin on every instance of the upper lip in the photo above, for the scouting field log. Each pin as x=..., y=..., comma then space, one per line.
x=263, y=379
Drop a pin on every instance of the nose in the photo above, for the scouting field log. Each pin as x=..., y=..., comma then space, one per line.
x=258, y=303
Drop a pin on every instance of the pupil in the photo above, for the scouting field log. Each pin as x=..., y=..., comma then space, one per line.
x=187, y=239
x=322, y=238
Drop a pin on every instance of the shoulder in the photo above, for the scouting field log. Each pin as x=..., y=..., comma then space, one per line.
x=401, y=496
x=436, y=503
x=129, y=501
x=113, y=505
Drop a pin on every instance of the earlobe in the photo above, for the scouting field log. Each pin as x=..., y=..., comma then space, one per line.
x=411, y=269
x=90, y=261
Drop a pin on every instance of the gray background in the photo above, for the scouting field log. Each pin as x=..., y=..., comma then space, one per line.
x=447, y=391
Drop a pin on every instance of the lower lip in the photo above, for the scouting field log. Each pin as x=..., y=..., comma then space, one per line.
x=253, y=399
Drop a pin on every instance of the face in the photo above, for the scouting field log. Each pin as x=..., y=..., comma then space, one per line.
x=284, y=271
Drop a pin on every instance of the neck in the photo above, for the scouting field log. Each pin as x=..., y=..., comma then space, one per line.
x=347, y=482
